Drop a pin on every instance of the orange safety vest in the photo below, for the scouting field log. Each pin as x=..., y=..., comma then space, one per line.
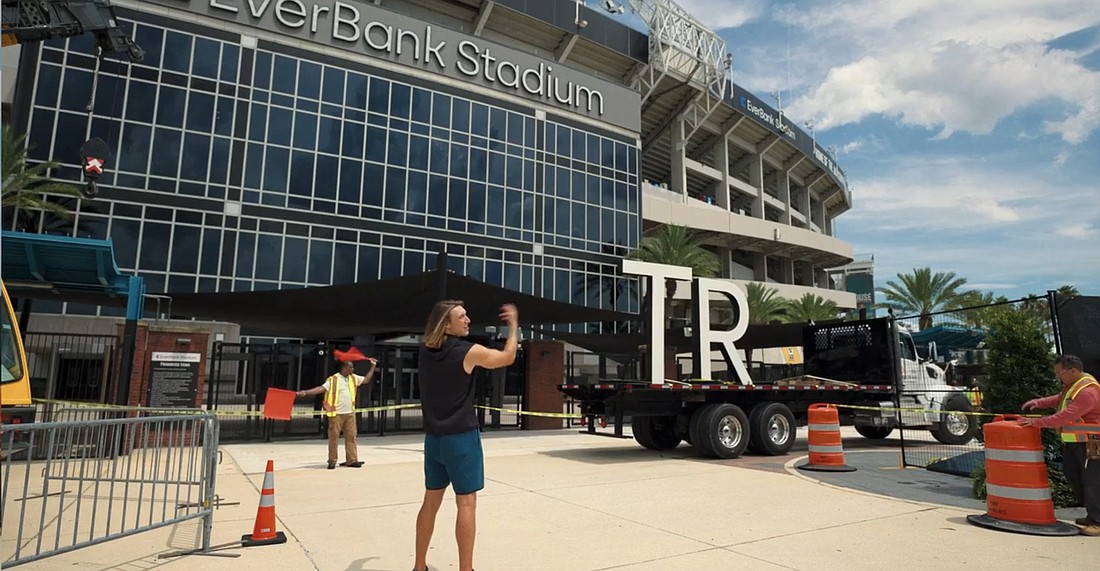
x=330, y=394
x=1078, y=431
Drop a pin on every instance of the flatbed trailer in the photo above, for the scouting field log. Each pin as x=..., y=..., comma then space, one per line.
x=719, y=420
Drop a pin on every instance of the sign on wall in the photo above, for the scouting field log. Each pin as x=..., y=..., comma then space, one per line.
x=173, y=380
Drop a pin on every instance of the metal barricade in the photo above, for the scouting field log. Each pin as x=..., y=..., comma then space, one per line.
x=68, y=485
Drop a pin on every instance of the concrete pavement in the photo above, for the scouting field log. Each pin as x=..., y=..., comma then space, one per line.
x=562, y=500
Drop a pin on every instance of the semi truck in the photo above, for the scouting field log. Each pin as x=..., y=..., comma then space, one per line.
x=868, y=368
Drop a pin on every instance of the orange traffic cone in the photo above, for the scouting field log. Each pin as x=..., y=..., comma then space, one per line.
x=826, y=448
x=264, y=531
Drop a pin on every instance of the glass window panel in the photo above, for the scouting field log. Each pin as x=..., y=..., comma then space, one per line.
x=578, y=186
x=376, y=144
x=196, y=157
x=494, y=273
x=275, y=169
x=124, y=236
x=200, y=112
x=352, y=145
x=305, y=130
x=475, y=268
x=476, y=202
x=309, y=80
x=398, y=148
x=414, y=262
x=170, y=106
x=565, y=141
x=418, y=152
x=223, y=119
x=334, y=86
x=355, y=93
x=460, y=115
x=270, y=247
x=622, y=237
x=395, y=188
x=351, y=180
x=479, y=164
x=253, y=166
x=151, y=39
x=368, y=263
x=498, y=124
x=437, y=195
x=606, y=191
x=326, y=177
x=257, y=122
x=417, y=198
x=400, y=94
x=211, y=251
x=49, y=85
x=343, y=263
x=246, y=251
x=207, y=58
x=441, y=110
x=515, y=128
x=229, y=62
x=457, y=198
x=592, y=230
x=515, y=172
x=373, y=183
x=459, y=160
x=529, y=132
x=328, y=136
x=320, y=262
x=110, y=94
x=479, y=120
x=280, y=124
x=294, y=259
x=561, y=217
x=632, y=160
x=154, y=246
x=496, y=168
x=165, y=159
x=261, y=71
x=301, y=173
x=379, y=101
x=284, y=74
x=177, y=52
x=439, y=156
x=421, y=105
x=607, y=226
x=495, y=203
x=391, y=263
x=593, y=149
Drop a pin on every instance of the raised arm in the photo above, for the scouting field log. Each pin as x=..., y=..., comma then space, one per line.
x=481, y=356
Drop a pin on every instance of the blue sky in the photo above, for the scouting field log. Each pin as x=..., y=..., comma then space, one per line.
x=970, y=131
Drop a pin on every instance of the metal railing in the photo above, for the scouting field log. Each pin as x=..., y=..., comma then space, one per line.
x=69, y=485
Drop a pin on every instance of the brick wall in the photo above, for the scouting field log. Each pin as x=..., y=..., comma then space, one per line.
x=156, y=338
x=545, y=371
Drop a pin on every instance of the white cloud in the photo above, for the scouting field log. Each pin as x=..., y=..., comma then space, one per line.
x=941, y=65
x=1081, y=231
x=722, y=14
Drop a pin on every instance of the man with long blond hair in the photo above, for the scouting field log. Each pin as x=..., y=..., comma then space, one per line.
x=452, y=439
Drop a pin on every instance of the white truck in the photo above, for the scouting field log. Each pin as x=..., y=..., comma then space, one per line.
x=867, y=364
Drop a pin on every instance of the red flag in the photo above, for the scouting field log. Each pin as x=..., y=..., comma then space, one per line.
x=351, y=355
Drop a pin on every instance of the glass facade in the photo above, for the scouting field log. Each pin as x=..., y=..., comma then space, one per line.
x=239, y=169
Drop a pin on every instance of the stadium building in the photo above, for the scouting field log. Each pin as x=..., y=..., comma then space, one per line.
x=281, y=144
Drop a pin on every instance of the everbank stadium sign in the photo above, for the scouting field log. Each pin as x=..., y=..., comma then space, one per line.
x=366, y=28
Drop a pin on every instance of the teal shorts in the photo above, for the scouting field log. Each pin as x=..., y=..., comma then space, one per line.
x=454, y=460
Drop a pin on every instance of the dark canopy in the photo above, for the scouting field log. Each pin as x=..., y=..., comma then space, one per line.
x=398, y=305
x=757, y=336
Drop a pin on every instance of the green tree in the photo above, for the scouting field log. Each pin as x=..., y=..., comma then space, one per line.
x=27, y=188
x=1019, y=369
x=923, y=292
x=811, y=307
x=765, y=306
x=677, y=246
x=975, y=305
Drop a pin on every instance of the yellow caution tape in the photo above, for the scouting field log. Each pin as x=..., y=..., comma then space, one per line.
x=531, y=412
x=933, y=411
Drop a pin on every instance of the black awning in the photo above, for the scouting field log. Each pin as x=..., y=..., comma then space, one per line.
x=761, y=336
x=384, y=306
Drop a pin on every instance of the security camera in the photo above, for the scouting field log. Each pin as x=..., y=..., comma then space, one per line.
x=582, y=23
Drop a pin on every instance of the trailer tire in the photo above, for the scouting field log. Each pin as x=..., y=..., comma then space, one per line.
x=772, y=429
x=696, y=431
x=874, y=432
x=956, y=429
x=722, y=430
x=655, y=432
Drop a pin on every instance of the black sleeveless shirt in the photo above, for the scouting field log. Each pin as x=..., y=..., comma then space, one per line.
x=446, y=389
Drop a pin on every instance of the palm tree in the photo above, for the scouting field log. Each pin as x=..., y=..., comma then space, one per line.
x=811, y=307
x=26, y=188
x=677, y=246
x=765, y=306
x=924, y=293
x=976, y=305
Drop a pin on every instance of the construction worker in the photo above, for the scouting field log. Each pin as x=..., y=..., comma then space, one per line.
x=1078, y=421
x=339, y=405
